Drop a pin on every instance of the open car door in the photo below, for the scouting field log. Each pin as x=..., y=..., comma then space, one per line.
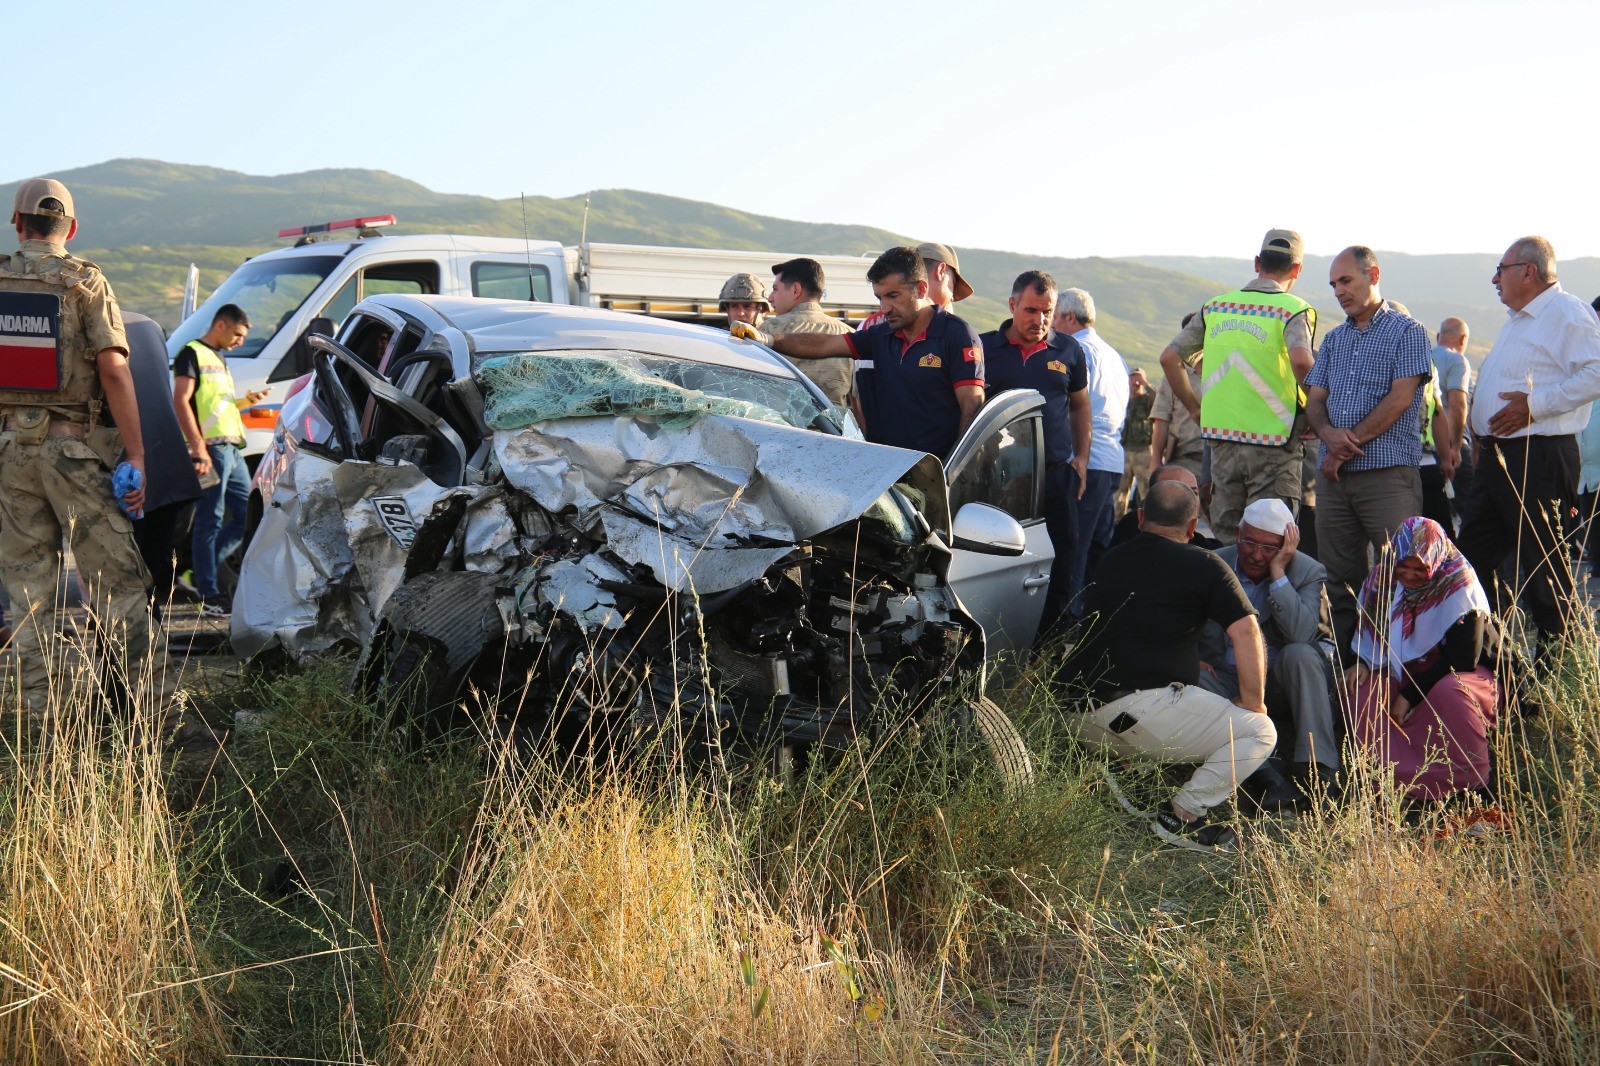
x=1000, y=461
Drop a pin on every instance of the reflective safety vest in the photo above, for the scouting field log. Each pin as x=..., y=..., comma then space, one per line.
x=213, y=397
x=1248, y=393
x=1430, y=406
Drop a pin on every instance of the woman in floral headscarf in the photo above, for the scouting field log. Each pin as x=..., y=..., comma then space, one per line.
x=1422, y=695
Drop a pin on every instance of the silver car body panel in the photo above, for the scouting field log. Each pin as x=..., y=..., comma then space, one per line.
x=1005, y=594
x=713, y=505
x=704, y=508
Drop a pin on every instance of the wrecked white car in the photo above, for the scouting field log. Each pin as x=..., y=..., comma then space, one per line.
x=602, y=519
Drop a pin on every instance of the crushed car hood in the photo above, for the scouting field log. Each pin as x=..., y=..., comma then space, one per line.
x=704, y=508
x=715, y=504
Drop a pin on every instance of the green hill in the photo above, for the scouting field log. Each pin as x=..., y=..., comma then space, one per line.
x=145, y=221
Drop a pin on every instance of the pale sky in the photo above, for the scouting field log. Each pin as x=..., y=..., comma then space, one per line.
x=1056, y=128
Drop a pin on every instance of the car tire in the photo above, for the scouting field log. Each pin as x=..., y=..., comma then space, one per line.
x=1004, y=743
x=435, y=628
x=408, y=679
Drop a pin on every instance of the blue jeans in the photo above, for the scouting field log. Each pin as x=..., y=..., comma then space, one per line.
x=1093, y=528
x=215, y=537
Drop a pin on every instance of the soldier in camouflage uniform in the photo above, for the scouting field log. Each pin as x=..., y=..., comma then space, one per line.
x=796, y=296
x=1136, y=433
x=744, y=299
x=63, y=363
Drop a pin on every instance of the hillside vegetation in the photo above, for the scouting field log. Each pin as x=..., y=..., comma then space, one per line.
x=145, y=221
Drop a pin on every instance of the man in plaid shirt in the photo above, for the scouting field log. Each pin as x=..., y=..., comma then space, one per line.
x=1364, y=399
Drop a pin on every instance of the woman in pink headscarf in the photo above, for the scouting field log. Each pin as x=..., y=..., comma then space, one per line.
x=1421, y=694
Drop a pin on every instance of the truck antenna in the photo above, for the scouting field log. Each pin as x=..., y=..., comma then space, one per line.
x=583, y=234
x=527, y=244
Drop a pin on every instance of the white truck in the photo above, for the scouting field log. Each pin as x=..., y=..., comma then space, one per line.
x=291, y=292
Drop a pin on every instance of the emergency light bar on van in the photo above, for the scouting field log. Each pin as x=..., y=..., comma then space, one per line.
x=369, y=222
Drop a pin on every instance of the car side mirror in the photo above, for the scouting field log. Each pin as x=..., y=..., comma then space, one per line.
x=987, y=530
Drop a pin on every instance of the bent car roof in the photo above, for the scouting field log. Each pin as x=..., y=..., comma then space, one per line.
x=520, y=326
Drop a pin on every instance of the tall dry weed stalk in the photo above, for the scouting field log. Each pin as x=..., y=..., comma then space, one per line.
x=98, y=963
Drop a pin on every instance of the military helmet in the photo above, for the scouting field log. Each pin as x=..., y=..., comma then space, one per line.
x=743, y=288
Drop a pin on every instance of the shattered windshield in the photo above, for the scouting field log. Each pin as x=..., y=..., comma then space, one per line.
x=522, y=388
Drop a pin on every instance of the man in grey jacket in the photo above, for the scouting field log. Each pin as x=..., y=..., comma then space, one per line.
x=1289, y=592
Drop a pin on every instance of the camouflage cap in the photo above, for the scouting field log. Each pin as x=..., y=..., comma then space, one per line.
x=943, y=253
x=32, y=191
x=744, y=288
x=1284, y=241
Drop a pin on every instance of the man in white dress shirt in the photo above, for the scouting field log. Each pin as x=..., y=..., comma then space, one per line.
x=1108, y=407
x=1532, y=400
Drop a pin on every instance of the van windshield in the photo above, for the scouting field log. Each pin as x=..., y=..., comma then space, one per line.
x=269, y=291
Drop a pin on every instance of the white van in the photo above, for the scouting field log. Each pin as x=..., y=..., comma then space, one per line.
x=289, y=292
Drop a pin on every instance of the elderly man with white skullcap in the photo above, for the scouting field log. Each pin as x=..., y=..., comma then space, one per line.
x=1289, y=592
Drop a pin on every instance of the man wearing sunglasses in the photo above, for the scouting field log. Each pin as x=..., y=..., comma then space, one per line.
x=1289, y=591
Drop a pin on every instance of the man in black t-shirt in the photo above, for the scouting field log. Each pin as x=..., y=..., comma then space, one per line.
x=1139, y=661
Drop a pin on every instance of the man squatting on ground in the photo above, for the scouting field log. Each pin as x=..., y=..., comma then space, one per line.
x=58, y=377
x=1140, y=663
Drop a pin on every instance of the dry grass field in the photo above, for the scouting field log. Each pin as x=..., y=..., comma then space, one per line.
x=315, y=892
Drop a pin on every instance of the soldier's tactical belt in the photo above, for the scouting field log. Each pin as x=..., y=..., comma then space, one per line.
x=30, y=332
x=33, y=424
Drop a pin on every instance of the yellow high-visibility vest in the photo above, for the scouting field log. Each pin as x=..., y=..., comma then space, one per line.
x=1248, y=391
x=1430, y=406
x=213, y=397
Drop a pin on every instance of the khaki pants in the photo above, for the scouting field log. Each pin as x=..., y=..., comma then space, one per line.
x=1241, y=474
x=1360, y=510
x=54, y=489
x=1187, y=724
x=1135, y=471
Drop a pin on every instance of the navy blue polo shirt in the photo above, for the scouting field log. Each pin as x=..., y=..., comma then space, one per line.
x=1055, y=367
x=915, y=381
